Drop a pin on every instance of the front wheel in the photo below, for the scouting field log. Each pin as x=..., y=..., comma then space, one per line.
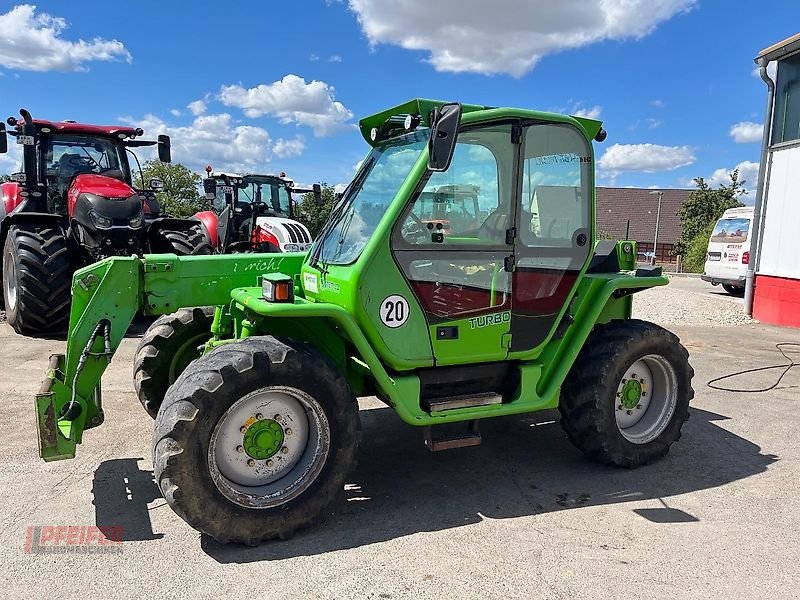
x=627, y=395
x=255, y=440
x=187, y=242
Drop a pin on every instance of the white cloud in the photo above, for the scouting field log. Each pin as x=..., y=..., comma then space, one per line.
x=748, y=172
x=506, y=36
x=197, y=108
x=335, y=58
x=747, y=132
x=286, y=148
x=653, y=123
x=292, y=100
x=31, y=42
x=10, y=162
x=313, y=57
x=657, y=103
x=589, y=113
x=340, y=188
x=175, y=112
x=645, y=158
x=214, y=139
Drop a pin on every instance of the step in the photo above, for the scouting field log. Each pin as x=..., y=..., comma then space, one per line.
x=465, y=401
x=469, y=437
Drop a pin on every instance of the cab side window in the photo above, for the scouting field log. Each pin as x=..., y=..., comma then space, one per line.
x=556, y=192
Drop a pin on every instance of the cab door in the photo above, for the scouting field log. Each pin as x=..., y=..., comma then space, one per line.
x=456, y=267
x=553, y=236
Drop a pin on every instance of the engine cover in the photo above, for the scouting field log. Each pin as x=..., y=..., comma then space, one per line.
x=286, y=234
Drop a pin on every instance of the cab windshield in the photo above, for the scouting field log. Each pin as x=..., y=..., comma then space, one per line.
x=357, y=215
x=271, y=192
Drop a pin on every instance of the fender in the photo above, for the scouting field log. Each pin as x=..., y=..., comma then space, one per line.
x=172, y=223
x=9, y=191
x=210, y=223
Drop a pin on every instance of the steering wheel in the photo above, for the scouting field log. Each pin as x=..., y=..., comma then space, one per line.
x=414, y=232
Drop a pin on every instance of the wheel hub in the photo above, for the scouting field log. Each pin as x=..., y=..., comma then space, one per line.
x=631, y=393
x=263, y=439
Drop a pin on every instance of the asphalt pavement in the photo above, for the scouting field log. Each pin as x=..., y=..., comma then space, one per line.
x=521, y=516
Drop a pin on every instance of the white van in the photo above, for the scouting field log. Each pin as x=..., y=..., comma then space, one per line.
x=729, y=250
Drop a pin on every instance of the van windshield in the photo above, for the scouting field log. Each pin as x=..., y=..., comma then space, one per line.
x=731, y=231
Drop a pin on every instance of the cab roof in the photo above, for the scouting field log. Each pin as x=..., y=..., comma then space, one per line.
x=83, y=128
x=423, y=108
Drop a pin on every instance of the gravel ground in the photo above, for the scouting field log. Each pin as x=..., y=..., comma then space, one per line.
x=688, y=301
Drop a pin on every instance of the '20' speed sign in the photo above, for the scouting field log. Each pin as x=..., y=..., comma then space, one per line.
x=394, y=311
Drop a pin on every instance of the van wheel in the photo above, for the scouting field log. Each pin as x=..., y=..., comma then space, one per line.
x=733, y=290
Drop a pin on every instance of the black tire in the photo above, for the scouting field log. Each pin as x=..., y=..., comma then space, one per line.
x=188, y=242
x=733, y=290
x=589, y=401
x=165, y=350
x=37, y=278
x=198, y=401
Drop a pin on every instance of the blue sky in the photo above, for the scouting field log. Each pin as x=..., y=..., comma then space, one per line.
x=267, y=86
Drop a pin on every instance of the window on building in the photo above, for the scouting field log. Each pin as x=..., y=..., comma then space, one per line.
x=787, y=101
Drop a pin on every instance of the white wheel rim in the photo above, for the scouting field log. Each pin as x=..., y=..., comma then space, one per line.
x=10, y=271
x=643, y=420
x=254, y=480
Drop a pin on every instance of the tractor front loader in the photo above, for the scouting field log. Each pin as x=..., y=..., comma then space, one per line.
x=253, y=371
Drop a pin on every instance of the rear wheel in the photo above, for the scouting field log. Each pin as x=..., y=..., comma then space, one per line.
x=37, y=275
x=255, y=440
x=188, y=242
x=627, y=395
x=734, y=290
x=165, y=350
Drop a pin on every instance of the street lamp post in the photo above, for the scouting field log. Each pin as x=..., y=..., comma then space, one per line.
x=658, y=218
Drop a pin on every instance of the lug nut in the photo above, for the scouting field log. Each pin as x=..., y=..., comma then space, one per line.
x=240, y=448
x=630, y=412
x=639, y=406
x=259, y=416
x=277, y=418
x=288, y=431
x=269, y=463
x=251, y=463
x=285, y=450
x=619, y=407
x=242, y=429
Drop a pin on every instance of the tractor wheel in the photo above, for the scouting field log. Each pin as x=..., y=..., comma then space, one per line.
x=255, y=440
x=189, y=242
x=733, y=290
x=37, y=278
x=166, y=349
x=627, y=395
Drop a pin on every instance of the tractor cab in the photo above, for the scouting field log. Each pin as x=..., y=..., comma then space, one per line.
x=256, y=212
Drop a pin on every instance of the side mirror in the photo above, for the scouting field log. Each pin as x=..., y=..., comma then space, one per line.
x=317, y=191
x=156, y=184
x=19, y=177
x=210, y=188
x=3, y=139
x=444, y=131
x=164, y=149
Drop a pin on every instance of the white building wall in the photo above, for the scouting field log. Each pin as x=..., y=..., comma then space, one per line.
x=780, y=250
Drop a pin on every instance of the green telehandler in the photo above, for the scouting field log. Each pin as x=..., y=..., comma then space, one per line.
x=515, y=311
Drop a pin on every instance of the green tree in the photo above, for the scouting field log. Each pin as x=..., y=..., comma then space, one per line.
x=181, y=195
x=704, y=206
x=312, y=214
x=4, y=178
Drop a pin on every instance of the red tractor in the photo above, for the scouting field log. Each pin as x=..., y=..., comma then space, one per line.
x=72, y=204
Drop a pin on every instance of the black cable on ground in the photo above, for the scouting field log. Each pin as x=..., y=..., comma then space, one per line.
x=786, y=369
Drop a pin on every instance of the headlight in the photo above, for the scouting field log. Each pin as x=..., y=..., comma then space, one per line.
x=135, y=222
x=291, y=248
x=99, y=221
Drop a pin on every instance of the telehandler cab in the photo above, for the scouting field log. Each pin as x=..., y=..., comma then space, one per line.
x=448, y=326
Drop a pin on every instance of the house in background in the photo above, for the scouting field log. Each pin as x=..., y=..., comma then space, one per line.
x=617, y=206
x=776, y=297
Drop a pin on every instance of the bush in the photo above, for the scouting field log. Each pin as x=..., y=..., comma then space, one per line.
x=695, y=258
